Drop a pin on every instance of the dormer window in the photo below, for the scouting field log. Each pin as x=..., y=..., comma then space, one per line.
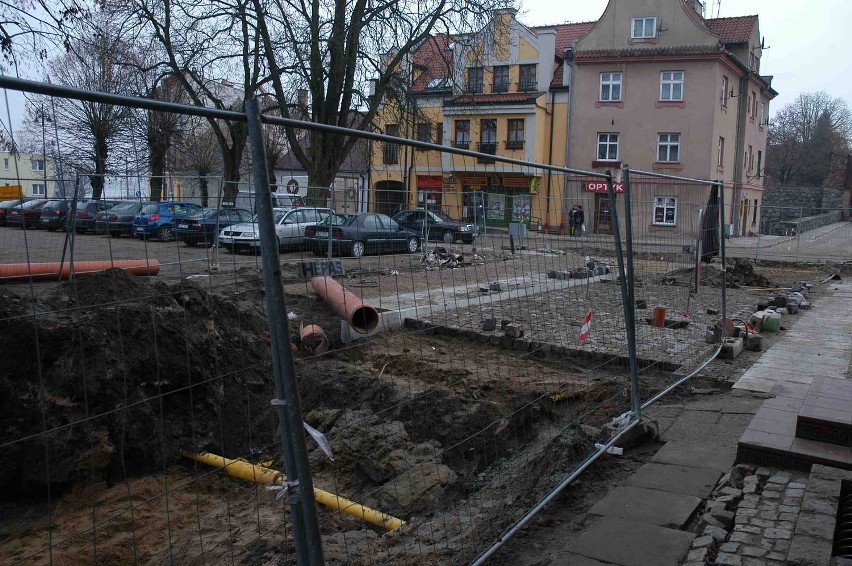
x=644, y=28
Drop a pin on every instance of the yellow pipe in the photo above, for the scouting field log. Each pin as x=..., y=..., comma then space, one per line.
x=259, y=474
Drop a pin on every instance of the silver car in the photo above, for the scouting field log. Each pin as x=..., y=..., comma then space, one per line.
x=290, y=224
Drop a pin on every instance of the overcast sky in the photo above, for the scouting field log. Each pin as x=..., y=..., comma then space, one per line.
x=805, y=39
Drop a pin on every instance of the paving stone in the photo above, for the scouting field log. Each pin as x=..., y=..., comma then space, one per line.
x=777, y=533
x=724, y=517
x=750, y=488
x=788, y=517
x=696, y=456
x=816, y=504
x=702, y=541
x=731, y=547
x=773, y=487
x=715, y=505
x=762, y=473
x=733, y=492
x=820, y=526
x=751, y=497
x=748, y=529
x=638, y=544
x=745, y=538
x=697, y=482
x=782, y=545
x=768, y=515
x=719, y=535
x=780, y=556
x=755, y=551
x=794, y=492
x=697, y=555
x=789, y=525
x=729, y=559
x=772, y=494
x=746, y=504
x=743, y=515
x=751, y=479
x=751, y=561
x=809, y=551
x=758, y=522
x=647, y=506
x=780, y=478
x=767, y=543
x=789, y=509
x=569, y=559
x=727, y=499
x=796, y=485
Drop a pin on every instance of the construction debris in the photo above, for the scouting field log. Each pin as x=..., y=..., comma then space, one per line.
x=442, y=257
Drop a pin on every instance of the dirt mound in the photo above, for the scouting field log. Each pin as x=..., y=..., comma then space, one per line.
x=740, y=273
x=121, y=374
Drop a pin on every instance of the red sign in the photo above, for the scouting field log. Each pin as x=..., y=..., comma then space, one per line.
x=600, y=187
x=586, y=329
x=430, y=182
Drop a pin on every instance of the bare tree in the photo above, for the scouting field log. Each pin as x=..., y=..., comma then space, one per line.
x=809, y=140
x=198, y=153
x=336, y=49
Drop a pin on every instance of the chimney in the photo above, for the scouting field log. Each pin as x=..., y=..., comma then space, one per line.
x=547, y=57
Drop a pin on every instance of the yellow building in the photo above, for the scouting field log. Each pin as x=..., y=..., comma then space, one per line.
x=501, y=92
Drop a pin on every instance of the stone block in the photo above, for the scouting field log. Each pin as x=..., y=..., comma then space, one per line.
x=744, y=515
x=697, y=482
x=702, y=541
x=753, y=343
x=708, y=519
x=762, y=473
x=789, y=508
x=777, y=533
x=724, y=517
x=779, y=478
x=745, y=538
x=751, y=529
x=817, y=504
x=747, y=503
x=514, y=331
x=697, y=555
x=728, y=559
x=505, y=322
x=718, y=534
x=816, y=525
x=731, y=491
x=794, y=492
x=729, y=547
x=638, y=544
x=731, y=348
x=809, y=551
x=755, y=551
x=764, y=523
x=647, y=506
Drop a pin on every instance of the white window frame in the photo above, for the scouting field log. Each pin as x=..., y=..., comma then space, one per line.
x=750, y=158
x=720, y=152
x=5, y=163
x=41, y=186
x=644, y=20
x=726, y=86
x=607, y=143
x=662, y=201
x=609, y=81
x=763, y=118
x=670, y=141
x=671, y=83
x=33, y=163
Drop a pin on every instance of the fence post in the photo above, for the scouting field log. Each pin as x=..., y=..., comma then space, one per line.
x=303, y=510
x=799, y=231
x=625, y=277
x=724, y=324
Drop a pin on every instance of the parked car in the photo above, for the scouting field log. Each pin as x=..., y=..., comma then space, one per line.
x=87, y=213
x=118, y=220
x=158, y=219
x=201, y=227
x=54, y=214
x=6, y=205
x=360, y=234
x=27, y=214
x=440, y=226
x=290, y=225
x=245, y=199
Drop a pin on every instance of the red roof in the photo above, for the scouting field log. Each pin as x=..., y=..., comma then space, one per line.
x=567, y=34
x=733, y=30
x=434, y=60
x=501, y=98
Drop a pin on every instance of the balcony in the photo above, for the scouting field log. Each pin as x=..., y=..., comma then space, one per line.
x=460, y=144
x=527, y=86
x=475, y=88
x=486, y=147
x=518, y=144
x=500, y=87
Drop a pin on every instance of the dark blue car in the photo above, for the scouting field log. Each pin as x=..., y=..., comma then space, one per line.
x=203, y=227
x=158, y=219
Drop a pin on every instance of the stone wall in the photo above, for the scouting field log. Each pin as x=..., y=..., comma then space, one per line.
x=812, y=222
x=782, y=205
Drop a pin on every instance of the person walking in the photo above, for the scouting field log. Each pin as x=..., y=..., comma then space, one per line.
x=578, y=217
x=571, y=220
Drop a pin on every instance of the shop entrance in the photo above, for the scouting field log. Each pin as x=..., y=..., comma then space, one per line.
x=603, y=214
x=429, y=199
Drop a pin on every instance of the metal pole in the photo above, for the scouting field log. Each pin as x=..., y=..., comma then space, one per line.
x=724, y=325
x=306, y=532
x=799, y=232
x=625, y=270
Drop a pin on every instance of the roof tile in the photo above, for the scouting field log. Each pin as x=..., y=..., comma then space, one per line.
x=434, y=60
x=501, y=98
x=647, y=52
x=733, y=30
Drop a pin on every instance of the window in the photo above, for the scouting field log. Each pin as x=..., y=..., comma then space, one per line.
x=665, y=211
x=439, y=132
x=475, y=78
x=528, y=81
x=501, y=79
x=748, y=106
x=764, y=120
x=644, y=28
x=610, y=87
x=668, y=148
x=391, y=150
x=720, y=159
x=753, y=105
x=6, y=163
x=488, y=136
x=726, y=91
x=424, y=132
x=754, y=62
x=38, y=189
x=759, y=163
x=749, y=159
x=462, y=140
x=607, y=147
x=37, y=164
x=516, y=134
x=671, y=85
x=754, y=213
x=372, y=222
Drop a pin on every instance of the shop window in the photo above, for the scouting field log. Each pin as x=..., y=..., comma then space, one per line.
x=665, y=211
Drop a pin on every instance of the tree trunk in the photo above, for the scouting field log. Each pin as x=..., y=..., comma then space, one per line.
x=97, y=180
x=158, y=172
x=205, y=193
x=231, y=159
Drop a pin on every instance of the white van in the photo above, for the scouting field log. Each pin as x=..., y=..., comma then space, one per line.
x=246, y=199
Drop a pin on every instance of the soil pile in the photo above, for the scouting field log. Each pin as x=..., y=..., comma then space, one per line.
x=740, y=273
x=109, y=376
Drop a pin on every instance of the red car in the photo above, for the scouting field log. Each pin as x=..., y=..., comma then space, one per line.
x=7, y=205
x=27, y=214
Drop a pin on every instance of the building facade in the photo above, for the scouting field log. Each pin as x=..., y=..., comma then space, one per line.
x=652, y=84
x=35, y=174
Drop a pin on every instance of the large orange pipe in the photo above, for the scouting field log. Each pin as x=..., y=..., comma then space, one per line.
x=362, y=318
x=51, y=270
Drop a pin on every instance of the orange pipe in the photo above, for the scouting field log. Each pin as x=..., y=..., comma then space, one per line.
x=660, y=317
x=51, y=270
x=362, y=318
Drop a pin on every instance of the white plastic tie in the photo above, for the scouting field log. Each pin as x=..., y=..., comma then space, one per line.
x=288, y=491
x=320, y=439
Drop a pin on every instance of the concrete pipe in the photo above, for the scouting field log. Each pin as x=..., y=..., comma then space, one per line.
x=52, y=271
x=362, y=318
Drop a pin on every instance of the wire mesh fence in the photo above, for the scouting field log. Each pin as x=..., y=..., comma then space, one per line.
x=478, y=356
